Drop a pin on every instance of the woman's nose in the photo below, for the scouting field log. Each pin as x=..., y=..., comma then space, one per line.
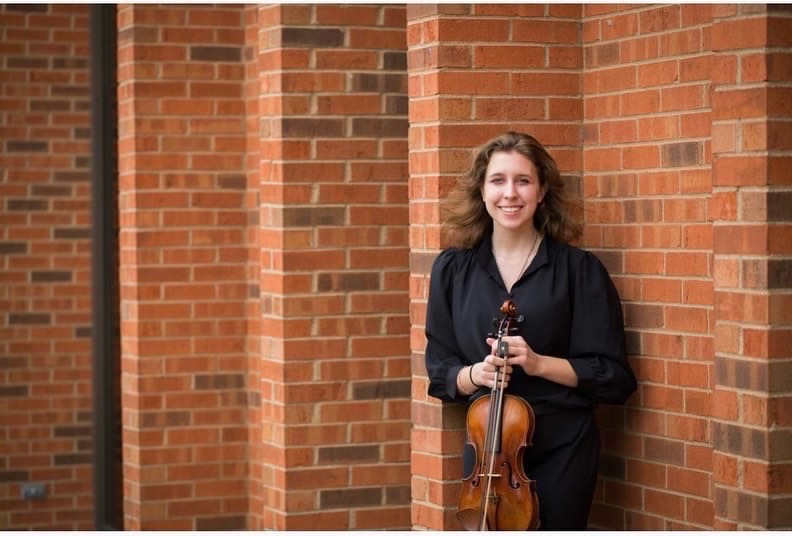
x=511, y=189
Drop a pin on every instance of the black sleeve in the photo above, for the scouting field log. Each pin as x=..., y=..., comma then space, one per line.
x=443, y=358
x=597, y=347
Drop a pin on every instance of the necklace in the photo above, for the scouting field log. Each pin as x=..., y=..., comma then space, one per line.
x=525, y=264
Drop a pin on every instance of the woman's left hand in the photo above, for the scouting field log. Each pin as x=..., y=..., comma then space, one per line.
x=520, y=354
x=554, y=369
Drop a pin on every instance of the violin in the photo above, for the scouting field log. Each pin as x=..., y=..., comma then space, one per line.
x=498, y=495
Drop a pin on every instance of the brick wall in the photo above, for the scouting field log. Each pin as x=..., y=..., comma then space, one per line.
x=250, y=96
x=333, y=227
x=647, y=186
x=752, y=222
x=680, y=150
x=183, y=213
x=278, y=222
x=520, y=69
x=45, y=276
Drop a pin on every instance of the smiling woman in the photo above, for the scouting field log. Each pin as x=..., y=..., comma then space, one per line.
x=511, y=194
x=511, y=190
x=510, y=230
x=467, y=218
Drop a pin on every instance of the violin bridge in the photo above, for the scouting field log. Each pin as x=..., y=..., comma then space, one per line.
x=498, y=475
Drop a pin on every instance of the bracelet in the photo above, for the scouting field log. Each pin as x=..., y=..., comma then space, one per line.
x=470, y=375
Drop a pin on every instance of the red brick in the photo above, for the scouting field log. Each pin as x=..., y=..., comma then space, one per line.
x=741, y=33
x=658, y=182
x=662, y=290
x=691, y=264
x=739, y=103
x=689, y=482
x=695, y=68
x=613, y=132
x=564, y=57
x=658, y=128
x=376, y=39
x=686, y=41
x=665, y=398
x=346, y=15
x=700, y=512
x=647, y=473
x=695, y=375
x=659, y=19
x=690, y=319
x=545, y=31
x=641, y=157
x=639, y=49
x=619, y=26
x=665, y=504
x=684, y=98
x=658, y=73
x=599, y=106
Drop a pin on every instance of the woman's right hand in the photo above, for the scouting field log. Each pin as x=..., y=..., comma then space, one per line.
x=484, y=373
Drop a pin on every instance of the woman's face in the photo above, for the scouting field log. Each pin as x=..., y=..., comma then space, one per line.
x=511, y=191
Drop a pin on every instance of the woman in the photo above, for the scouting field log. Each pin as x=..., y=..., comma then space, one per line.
x=510, y=232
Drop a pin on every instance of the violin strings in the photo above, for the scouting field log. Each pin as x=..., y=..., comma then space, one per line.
x=495, y=418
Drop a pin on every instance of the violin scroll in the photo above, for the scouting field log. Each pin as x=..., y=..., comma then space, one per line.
x=508, y=309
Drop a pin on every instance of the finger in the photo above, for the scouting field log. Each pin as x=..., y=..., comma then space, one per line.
x=501, y=377
x=517, y=345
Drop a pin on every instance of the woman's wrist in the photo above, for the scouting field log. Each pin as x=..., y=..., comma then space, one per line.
x=538, y=365
x=470, y=377
x=555, y=369
x=464, y=381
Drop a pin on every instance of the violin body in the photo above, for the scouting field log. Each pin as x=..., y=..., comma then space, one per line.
x=513, y=502
x=498, y=495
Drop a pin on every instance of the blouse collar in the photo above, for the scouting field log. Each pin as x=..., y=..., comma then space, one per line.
x=486, y=258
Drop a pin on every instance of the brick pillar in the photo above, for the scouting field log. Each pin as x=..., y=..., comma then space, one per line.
x=333, y=226
x=182, y=267
x=752, y=218
x=521, y=72
x=646, y=190
x=251, y=99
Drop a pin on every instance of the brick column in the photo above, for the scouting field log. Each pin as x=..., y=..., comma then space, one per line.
x=646, y=190
x=522, y=72
x=251, y=100
x=752, y=219
x=182, y=267
x=333, y=224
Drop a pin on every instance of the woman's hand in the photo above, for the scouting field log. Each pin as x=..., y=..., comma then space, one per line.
x=520, y=353
x=484, y=372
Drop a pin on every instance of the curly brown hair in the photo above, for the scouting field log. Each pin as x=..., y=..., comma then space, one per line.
x=467, y=220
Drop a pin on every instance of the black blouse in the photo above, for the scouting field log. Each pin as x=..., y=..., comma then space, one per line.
x=571, y=310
